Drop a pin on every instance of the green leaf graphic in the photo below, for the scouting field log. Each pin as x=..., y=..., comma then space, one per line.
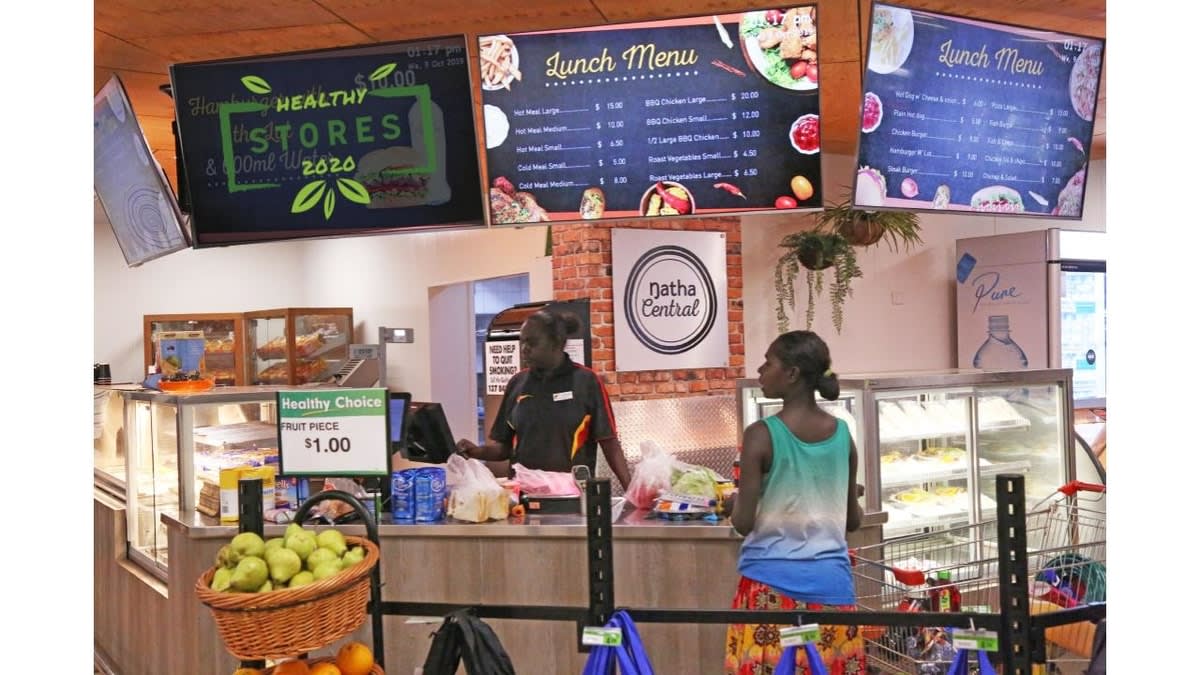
x=330, y=197
x=382, y=71
x=308, y=196
x=256, y=84
x=353, y=190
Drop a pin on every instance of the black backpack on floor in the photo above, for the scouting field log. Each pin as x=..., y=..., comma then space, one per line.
x=464, y=638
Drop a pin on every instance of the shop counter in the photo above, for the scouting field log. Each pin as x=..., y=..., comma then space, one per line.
x=540, y=560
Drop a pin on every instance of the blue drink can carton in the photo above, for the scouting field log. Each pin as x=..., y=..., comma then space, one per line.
x=429, y=486
x=403, y=496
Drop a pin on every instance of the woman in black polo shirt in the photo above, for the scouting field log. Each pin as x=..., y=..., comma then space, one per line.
x=555, y=411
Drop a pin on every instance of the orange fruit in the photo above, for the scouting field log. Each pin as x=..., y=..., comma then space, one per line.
x=355, y=658
x=291, y=668
x=247, y=671
x=325, y=668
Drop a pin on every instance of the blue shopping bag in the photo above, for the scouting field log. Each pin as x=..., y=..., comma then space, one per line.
x=630, y=656
x=961, y=660
x=787, y=661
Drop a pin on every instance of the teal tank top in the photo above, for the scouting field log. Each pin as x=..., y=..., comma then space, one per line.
x=798, y=544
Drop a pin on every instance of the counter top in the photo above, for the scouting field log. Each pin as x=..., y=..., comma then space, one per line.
x=628, y=523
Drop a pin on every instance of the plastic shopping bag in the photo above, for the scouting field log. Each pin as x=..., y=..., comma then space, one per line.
x=787, y=661
x=960, y=664
x=538, y=483
x=475, y=496
x=630, y=655
x=651, y=476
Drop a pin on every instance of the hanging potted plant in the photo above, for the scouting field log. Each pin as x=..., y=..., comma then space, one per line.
x=867, y=228
x=815, y=251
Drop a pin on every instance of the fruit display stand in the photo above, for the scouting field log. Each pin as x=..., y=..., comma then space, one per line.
x=288, y=623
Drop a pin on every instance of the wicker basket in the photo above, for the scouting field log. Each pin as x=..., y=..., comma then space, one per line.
x=286, y=623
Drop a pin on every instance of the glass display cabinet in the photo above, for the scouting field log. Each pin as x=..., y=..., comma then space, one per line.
x=224, y=339
x=297, y=346
x=175, y=443
x=931, y=443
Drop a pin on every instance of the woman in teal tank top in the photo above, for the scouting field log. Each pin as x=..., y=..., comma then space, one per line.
x=797, y=499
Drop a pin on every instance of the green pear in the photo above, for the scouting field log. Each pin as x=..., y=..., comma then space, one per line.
x=265, y=587
x=293, y=528
x=273, y=544
x=303, y=543
x=283, y=564
x=249, y=574
x=327, y=569
x=319, y=556
x=220, y=580
x=247, y=544
x=332, y=540
x=303, y=578
x=353, y=557
x=225, y=557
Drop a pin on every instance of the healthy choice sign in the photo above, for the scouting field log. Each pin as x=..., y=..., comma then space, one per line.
x=670, y=288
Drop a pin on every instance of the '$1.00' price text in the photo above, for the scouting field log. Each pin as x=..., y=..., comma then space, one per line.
x=334, y=444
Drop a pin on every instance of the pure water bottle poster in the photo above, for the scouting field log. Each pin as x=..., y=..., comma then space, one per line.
x=1002, y=312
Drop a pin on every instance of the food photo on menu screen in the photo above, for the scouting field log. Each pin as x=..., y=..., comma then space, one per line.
x=335, y=142
x=966, y=115
x=701, y=115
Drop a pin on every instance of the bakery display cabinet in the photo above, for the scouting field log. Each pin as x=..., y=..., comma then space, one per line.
x=175, y=443
x=224, y=339
x=297, y=345
x=931, y=443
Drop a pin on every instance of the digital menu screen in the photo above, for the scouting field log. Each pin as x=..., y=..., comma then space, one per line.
x=329, y=143
x=129, y=182
x=682, y=117
x=966, y=115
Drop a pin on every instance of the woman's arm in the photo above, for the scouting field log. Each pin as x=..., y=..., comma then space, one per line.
x=615, y=456
x=491, y=451
x=854, y=512
x=756, y=456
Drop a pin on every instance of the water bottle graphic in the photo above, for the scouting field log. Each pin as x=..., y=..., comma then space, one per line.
x=999, y=352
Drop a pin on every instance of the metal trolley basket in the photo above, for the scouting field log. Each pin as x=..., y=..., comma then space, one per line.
x=1065, y=541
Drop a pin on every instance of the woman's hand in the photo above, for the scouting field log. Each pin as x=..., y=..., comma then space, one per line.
x=467, y=448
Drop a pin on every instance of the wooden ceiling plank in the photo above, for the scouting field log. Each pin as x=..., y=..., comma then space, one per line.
x=254, y=42
x=130, y=19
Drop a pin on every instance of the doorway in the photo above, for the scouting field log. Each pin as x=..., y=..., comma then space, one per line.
x=492, y=296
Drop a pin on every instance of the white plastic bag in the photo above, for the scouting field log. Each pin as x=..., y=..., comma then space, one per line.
x=651, y=476
x=475, y=496
x=538, y=483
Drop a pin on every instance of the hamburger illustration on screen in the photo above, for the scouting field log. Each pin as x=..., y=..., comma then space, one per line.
x=401, y=176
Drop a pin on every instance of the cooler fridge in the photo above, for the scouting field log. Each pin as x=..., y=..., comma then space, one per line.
x=1036, y=300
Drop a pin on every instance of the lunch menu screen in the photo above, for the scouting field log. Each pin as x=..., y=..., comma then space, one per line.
x=972, y=116
x=702, y=115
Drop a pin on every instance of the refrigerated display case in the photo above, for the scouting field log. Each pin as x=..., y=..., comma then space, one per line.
x=297, y=345
x=174, y=443
x=931, y=443
x=224, y=340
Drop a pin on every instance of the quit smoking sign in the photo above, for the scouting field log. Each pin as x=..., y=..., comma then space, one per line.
x=503, y=361
x=338, y=432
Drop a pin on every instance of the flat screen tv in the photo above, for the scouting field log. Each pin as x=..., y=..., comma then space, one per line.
x=429, y=437
x=695, y=116
x=966, y=115
x=349, y=141
x=130, y=183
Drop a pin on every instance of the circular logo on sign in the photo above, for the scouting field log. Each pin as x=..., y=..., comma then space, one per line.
x=670, y=300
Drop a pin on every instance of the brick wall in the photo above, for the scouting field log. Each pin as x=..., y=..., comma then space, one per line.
x=582, y=268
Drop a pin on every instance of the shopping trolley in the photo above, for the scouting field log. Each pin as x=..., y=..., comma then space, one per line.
x=957, y=569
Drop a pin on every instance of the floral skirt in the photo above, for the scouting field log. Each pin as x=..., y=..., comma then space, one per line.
x=753, y=649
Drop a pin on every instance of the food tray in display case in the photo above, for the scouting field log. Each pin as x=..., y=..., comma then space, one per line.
x=224, y=339
x=297, y=345
x=931, y=443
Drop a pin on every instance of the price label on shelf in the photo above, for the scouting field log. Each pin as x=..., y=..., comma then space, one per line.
x=798, y=636
x=333, y=432
x=598, y=636
x=979, y=640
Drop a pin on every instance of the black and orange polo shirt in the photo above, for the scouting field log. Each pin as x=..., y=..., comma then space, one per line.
x=554, y=420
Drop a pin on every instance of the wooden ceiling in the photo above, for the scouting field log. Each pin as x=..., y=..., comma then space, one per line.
x=139, y=39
